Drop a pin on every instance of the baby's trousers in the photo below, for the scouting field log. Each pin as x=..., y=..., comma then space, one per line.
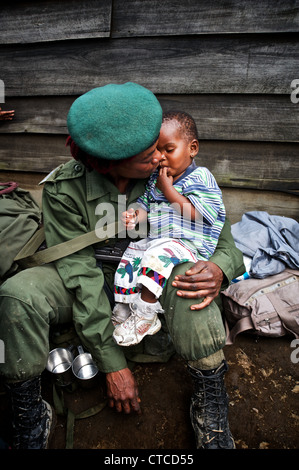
x=34, y=300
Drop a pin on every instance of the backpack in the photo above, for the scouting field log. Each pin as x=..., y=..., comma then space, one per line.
x=267, y=307
x=20, y=218
x=22, y=236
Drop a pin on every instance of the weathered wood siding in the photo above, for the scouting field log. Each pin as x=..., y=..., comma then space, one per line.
x=229, y=64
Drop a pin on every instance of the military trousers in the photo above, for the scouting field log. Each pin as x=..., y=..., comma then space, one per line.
x=35, y=299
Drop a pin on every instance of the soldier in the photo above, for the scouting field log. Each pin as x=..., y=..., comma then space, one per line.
x=113, y=136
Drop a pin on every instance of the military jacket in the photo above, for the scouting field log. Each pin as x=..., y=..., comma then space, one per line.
x=74, y=202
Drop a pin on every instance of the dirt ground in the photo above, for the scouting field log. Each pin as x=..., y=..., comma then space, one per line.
x=262, y=382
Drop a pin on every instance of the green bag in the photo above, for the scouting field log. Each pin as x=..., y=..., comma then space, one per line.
x=20, y=217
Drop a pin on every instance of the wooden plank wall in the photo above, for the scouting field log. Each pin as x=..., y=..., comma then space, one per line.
x=229, y=64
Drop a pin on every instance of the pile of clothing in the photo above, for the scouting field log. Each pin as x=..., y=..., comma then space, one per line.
x=269, y=243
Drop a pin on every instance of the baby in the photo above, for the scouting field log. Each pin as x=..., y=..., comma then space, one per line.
x=183, y=205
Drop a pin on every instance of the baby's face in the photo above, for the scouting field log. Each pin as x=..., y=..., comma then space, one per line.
x=175, y=149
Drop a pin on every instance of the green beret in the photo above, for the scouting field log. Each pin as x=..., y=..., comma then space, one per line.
x=115, y=121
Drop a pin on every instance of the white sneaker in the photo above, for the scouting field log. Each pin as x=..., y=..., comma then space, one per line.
x=142, y=321
x=120, y=313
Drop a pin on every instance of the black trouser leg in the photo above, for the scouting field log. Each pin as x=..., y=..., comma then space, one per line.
x=31, y=415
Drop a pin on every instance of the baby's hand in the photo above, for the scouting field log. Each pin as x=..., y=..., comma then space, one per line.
x=164, y=180
x=129, y=219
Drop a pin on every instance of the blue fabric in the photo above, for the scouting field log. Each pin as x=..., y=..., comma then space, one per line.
x=271, y=241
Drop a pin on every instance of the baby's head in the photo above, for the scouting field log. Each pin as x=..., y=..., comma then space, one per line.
x=183, y=122
x=178, y=142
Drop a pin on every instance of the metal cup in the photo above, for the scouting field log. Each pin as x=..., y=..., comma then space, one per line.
x=60, y=365
x=84, y=368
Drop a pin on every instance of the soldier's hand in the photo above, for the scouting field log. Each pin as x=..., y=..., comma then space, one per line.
x=203, y=281
x=122, y=391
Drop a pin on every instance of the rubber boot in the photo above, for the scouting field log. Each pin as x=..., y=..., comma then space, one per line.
x=31, y=415
x=209, y=409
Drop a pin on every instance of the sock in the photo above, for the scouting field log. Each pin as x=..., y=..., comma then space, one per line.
x=208, y=363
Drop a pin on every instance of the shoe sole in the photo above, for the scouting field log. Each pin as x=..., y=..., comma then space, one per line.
x=151, y=331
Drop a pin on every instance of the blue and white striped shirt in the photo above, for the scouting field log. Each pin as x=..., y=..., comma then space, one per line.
x=165, y=219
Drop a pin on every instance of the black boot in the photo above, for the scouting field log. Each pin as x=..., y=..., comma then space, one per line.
x=209, y=409
x=31, y=415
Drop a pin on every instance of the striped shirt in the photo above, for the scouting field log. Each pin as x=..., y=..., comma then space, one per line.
x=165, y=219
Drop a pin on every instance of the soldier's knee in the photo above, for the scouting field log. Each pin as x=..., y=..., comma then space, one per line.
x=195, y=334
x=20, y=285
